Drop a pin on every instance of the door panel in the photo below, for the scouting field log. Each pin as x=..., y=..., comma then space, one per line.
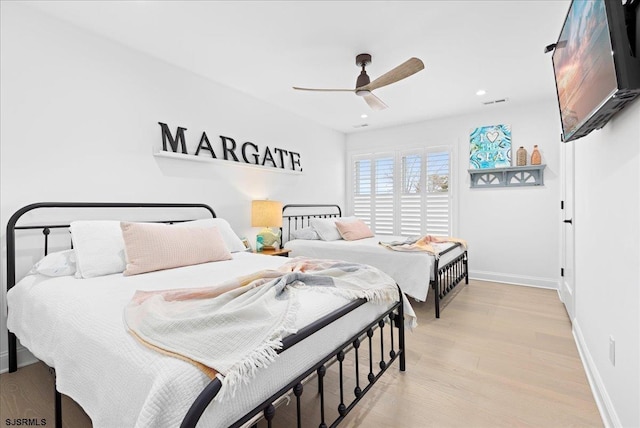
x=567, y=280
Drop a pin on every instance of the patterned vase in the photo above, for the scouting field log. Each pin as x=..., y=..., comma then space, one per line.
x=536, y=159
x=521, y=156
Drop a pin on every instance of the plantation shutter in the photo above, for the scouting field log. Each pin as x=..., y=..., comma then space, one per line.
x=438, y=216
x=411, y=194
x=383, y=206
x=403, y=193
x=362, y=199
x=373, y=192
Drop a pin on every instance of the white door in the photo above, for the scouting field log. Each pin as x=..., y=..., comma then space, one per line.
x=567, y=272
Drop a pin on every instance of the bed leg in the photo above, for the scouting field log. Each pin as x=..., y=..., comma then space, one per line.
x=436, y=285
x=13, y=353
x=436, y=289
x=58, y=407
x=400, y=325
x=466, y=269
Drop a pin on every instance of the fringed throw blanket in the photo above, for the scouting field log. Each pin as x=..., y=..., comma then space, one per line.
x=423, y=243
x=237, y=327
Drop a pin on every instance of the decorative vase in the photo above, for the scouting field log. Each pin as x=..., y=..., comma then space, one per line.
x=536, y=159
x=521, y=156
x=259, y=243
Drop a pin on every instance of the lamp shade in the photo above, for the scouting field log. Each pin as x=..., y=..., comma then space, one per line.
x=266, y=214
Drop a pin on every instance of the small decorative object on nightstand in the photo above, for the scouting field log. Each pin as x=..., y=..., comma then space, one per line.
x=282, y=252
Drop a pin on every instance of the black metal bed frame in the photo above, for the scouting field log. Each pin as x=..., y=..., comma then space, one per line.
x=393, y=317
x=446, y=277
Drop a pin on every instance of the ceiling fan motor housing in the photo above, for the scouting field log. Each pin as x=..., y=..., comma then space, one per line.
x=363, y=60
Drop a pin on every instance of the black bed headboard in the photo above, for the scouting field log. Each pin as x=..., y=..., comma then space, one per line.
x=297, y=216
x=46, y=228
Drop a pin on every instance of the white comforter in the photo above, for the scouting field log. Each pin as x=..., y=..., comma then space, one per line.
x=412, y=271
x=76, y=326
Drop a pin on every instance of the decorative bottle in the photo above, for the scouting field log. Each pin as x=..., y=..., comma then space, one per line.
x=521, y=156
x=536, y=159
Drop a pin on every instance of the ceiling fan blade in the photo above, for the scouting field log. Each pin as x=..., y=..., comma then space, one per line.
x=374, y=102
x=404, y=70
x=323, y=90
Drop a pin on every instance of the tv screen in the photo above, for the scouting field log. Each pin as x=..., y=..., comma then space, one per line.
x=594, y=66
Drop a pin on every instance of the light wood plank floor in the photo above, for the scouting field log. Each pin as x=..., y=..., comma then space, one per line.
x=499, y=356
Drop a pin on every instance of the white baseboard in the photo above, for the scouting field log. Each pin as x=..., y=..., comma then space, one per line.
x=603, y=401
x=530, y=281
x=24, y=359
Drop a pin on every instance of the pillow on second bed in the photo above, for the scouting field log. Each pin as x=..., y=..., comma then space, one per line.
x=308, y=233
x=354, y=230
x=150, y=246
x=326, y=227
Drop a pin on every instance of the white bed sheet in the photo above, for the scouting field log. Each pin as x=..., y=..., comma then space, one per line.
x=76, y=326
x=410, y=270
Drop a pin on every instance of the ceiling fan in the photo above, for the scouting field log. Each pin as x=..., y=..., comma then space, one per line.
x=364, y=86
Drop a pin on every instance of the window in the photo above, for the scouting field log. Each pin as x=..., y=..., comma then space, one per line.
x=373, y=195
x=403, y=193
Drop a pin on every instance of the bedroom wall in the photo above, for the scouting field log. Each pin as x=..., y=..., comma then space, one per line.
x=513, y=233
x=80, y=120
x=607, y=243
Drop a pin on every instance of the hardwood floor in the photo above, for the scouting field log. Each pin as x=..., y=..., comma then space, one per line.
x=499, y=356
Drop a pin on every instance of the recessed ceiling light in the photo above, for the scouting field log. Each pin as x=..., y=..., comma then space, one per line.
x=364, y=116
x=481, y=92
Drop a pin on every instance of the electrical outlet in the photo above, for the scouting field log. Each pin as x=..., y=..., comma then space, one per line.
x=612, y=350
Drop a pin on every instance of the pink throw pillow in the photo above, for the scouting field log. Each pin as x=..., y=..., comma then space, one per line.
x=155, y=246
x=354, y=230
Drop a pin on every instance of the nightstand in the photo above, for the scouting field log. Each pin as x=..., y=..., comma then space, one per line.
x=283, y=252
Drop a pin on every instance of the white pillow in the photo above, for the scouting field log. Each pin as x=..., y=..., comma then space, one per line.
x=326, y=227
x=233, y=242
x=60, y=263
x=305, y=233
x=99, y=247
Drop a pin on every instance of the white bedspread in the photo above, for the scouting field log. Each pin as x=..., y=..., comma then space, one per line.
x=76, y=326
x=412, y=271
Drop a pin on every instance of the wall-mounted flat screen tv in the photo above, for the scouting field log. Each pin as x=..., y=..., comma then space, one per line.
x=596, y=70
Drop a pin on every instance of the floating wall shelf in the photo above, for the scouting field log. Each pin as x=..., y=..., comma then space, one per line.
x=513, y=176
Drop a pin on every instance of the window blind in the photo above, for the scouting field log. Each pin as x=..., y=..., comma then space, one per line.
x=403, y=193
x=437, y=214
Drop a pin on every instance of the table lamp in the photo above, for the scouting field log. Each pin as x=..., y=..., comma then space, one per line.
x=267, y=214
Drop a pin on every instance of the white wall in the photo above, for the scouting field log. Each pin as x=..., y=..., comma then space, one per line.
x=80, y=120
x=607, y=242
x=513, y=233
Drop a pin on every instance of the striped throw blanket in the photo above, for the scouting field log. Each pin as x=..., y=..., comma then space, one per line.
x=233, y=329
x=423, y=243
